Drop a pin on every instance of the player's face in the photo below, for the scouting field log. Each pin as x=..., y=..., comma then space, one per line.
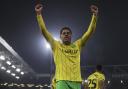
x=66, y=36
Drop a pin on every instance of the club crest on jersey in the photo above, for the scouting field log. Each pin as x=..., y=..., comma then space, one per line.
x=73, y=46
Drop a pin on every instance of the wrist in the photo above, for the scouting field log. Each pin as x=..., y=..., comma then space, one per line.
x=38, y=13
x=95, y=14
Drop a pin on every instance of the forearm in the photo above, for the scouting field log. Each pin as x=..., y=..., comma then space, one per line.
x=90, y=30
x=43, y=28
x=91, y=27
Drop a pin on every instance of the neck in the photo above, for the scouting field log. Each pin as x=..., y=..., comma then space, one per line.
x=66, y=43
x=98, y=71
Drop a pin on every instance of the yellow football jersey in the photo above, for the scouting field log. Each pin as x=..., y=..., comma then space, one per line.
x=53, y=85
x=93, y=80
x=67, y=61
x=67, y=58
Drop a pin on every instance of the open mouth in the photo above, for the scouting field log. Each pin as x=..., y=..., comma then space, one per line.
x=66, y=38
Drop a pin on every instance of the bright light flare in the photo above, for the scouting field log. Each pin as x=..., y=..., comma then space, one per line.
x=13, y=66
x=13, y=74
x=22, y=73
x=48, y=46
x=2, y=57
x=17, y=77
x=8, y=62
x=3, y=68
x=8, y=71
x=18, y=70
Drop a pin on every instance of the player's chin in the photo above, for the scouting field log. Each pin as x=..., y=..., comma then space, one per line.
x=67, y=42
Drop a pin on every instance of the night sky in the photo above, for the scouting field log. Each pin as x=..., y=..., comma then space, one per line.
x=108, y=46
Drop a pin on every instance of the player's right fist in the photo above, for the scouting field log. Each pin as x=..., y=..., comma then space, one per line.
x=38, y=8
x=94, y=9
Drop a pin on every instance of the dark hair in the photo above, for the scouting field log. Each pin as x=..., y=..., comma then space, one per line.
x=67, y=28
x=99, y=67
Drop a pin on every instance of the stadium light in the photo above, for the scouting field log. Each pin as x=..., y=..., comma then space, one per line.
x=13, y=74
x=22, y=73
x=86, y=81
x=17, y=77
x=5, y=84
x=56, y=39
x=2, y=57
x=18, y=70
x=8, y=71
x=48, y=46
x=8, y=62
x=3, y=68
x=108, y=82
x=121, y=81
x=13, y=66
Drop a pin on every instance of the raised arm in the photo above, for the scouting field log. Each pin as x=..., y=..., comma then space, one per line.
x=91, y=27
x=46, y=34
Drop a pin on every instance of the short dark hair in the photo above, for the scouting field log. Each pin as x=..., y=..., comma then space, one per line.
x=67, y=28
x=99, y=67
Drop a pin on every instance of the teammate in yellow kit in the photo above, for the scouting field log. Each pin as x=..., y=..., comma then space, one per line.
x=96, y=80
x=67, y=54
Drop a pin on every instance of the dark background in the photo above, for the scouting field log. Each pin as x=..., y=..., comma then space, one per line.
x=108, y=46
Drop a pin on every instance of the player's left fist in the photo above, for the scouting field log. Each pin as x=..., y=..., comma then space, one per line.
x=94, y=9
